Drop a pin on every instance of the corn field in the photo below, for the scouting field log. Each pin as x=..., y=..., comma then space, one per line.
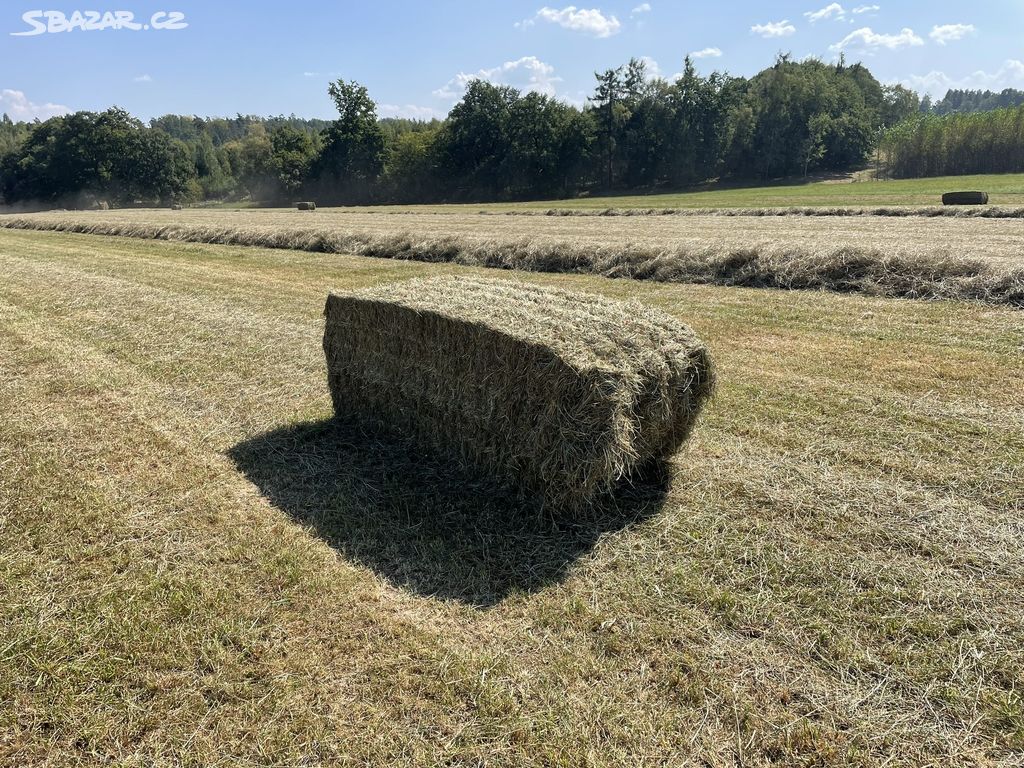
x=957, y=144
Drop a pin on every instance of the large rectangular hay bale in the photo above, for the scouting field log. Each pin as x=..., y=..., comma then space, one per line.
x=563, y=393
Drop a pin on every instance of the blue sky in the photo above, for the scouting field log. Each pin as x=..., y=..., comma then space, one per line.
x=273, y=58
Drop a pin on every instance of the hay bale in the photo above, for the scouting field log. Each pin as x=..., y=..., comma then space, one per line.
x=965, y=198
x=562, y=393
x=306, y=206
x=176, y=207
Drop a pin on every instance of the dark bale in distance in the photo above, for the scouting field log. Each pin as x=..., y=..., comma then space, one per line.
x=965, y=198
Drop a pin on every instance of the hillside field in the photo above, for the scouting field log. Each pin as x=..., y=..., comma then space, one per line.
x=199, y=567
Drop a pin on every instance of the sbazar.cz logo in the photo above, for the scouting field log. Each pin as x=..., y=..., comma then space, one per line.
x=41, y=22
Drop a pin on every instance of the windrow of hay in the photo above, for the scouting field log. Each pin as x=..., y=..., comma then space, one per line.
x=563, y=394
x=872, y=270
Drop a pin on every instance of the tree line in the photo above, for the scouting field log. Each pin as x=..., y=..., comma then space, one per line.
x=960, y=100
x=636, y=132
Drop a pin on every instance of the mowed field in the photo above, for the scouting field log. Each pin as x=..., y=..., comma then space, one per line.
x=199, y=568
x=859, y=189
x=994, y=240
x=1005, y=189
x=916, y=256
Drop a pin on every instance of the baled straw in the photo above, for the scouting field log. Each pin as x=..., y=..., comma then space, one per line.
x=560, y=392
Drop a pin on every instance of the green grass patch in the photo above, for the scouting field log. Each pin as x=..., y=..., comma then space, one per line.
x=1003, y=189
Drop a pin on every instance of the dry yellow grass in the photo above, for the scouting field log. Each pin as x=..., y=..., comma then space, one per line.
x=198, y=569
x=997, y=240
x=912, y=257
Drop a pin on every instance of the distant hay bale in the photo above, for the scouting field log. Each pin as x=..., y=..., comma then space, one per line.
x=176, y=207
x=562, y=393
x=306, y=206
x=965, y=198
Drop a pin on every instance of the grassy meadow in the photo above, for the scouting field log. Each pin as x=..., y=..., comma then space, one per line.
x=857, y=190
x=1006, y=189
x=200, y=567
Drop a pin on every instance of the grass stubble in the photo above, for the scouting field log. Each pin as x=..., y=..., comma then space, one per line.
x=200, y=568
x=918, y=257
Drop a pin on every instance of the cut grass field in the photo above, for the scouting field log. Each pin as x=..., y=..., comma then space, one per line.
x=910, y=257
x=1004, y=190
x=199, y=568
x=994, y=240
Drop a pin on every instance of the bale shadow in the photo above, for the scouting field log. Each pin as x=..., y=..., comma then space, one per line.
x=422, y=521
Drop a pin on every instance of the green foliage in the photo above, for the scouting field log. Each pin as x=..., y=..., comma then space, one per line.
x=11, y=134
x=957, y=100
x=222, y=130
x=809, y=115
x=956, y=144
x=500, y=143
x=898, y=104
x=395, y=127
x=252, y=164
x=90, y=156
x=635, y=133
x=352, y=159
x=292, y=154
x=610, y=115
x=411, y=166
x=475, y=138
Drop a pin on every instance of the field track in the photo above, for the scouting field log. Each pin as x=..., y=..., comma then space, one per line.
x=199, y=567
x=910, y=257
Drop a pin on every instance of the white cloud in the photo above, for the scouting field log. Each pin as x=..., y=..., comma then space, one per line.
x=17, y=105
x=867, y=40
x=590, y=21
x=651, y=67
x=774, y=29
x=707, y=53
x=949, y=32
x=411, y=111
x=142, y=79
x=578, y=99
x=528, y=74
x=831, y=11
x=642, y=8
x=867, y=9
x=1009, y=75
